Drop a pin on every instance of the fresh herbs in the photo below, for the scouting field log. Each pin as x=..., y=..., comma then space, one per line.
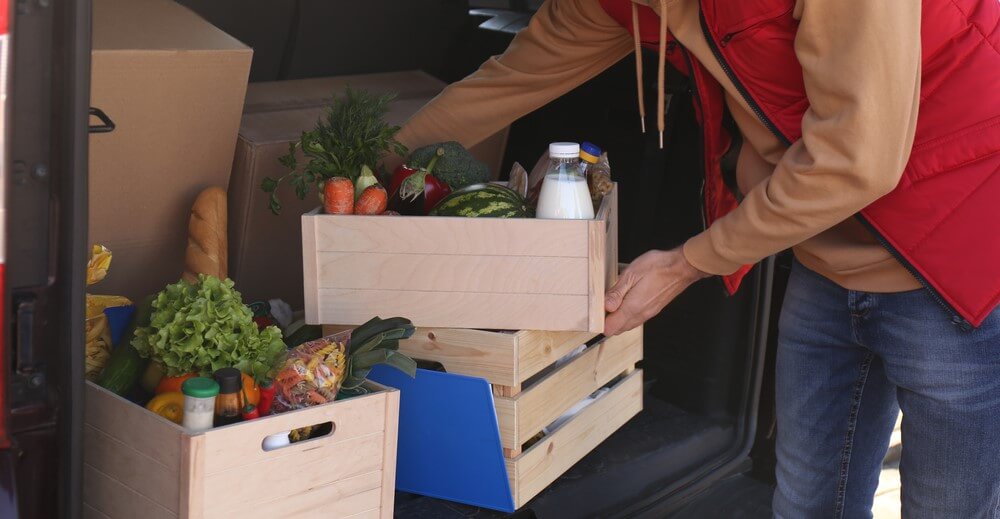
x=351, y=134
x=202, y=327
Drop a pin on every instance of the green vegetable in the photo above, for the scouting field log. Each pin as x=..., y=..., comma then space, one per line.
x=353, y=133
x=125, y=365
x=457, y=167
x=364, y=181
x=485, y=200
x=151, y=377
x=202, y=327
x=300, y=332
x=377, y=342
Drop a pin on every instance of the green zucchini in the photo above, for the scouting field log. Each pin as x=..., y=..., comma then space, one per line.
x=125, y=366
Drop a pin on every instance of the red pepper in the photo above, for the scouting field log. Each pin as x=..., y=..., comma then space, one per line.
x=435, y=190
x=250, y=412
x=266, y=398
x=406, y=192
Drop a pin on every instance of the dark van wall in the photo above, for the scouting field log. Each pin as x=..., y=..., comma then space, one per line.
x=295, y=39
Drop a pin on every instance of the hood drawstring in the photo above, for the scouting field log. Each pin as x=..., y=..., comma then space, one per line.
x=660, y=81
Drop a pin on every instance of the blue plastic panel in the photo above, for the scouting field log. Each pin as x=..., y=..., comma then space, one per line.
x=449, y=440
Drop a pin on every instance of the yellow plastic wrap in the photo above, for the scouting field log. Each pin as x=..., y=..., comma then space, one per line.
x=98, y=345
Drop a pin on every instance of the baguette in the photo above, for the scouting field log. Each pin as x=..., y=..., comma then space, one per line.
x=207, y=249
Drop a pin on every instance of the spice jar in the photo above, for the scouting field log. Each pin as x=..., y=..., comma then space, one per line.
x=199, y=403
x=227, y=403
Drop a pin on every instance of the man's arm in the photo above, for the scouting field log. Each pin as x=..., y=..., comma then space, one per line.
x=861, y=64
x=566, y=43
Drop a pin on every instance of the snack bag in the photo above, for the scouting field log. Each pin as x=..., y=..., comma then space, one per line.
x=98, y=331
x=313, y=373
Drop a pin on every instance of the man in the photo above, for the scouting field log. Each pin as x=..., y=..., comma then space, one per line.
x=869, y=142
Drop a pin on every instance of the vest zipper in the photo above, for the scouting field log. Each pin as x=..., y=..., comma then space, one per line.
x=701, y=110
x=739, y=86
x=956, y=316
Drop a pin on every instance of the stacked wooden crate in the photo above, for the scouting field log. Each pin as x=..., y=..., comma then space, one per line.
x=460, y=278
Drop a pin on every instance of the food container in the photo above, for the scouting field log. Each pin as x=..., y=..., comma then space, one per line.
x=447, y=272
x=137, y=464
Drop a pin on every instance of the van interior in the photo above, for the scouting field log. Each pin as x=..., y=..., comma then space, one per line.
x=706, y=431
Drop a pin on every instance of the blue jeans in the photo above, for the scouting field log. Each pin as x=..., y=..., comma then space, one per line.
x=847, y=362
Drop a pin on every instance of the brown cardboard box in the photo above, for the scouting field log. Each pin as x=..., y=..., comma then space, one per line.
x=265, y=251
x=174, y=85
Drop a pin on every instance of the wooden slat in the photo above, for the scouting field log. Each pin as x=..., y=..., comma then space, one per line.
x=310, y=269
x=545, y=461
x=388, y=491
x=597, y=239
x=116, y=500
x=476, y=353
x=454, y=273
x=436, y=235
x=367, y=514
x=134, y=469
x=537, y=350
x=456, y=310
x=148, y=433
x=192, y=477
x=343, y=498
x=609, y=213
x=525, y=415
x=323, y=463
x=240, y=444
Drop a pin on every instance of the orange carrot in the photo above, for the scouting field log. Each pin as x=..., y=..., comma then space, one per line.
x=338, y=196
x=373, y=200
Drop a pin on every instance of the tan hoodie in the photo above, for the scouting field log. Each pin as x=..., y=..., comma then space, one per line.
x=861, y=62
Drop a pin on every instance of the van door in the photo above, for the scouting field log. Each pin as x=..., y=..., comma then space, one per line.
x=44, y=96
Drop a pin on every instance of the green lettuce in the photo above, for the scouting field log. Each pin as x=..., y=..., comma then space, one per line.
x=202, y=327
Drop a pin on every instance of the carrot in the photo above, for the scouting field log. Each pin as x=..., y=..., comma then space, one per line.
x=338, y=196
x=373, y=200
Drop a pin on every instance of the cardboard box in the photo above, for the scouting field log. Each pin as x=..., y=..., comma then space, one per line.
x=174, y=86
x=265, y=251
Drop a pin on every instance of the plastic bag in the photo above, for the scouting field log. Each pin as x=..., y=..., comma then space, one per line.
x=313, y=373
x=97, y=329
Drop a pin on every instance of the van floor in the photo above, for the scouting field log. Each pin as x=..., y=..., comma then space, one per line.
x=660, y=444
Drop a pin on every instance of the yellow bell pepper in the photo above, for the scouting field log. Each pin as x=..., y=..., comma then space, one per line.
x=169, y=405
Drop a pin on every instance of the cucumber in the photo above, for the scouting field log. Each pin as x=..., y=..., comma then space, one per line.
x=125, y=366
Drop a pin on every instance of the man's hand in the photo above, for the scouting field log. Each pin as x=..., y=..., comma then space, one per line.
x=647, y=285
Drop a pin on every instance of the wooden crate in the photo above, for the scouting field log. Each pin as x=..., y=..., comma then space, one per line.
x=542, y=463
x=526, y=400
x=522, y=415
x=137, y=464
x=487, y=273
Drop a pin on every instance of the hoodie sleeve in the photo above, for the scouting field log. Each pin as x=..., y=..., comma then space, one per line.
x=861, y=65
x=566, y=43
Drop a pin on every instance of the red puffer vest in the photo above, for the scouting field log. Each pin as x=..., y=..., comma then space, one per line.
x=942, y=222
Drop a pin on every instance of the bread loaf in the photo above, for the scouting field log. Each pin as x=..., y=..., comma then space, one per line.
x=207, y=248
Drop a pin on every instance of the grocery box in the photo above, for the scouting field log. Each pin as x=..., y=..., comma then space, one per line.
x=538, y=429
x=441, y=272
x=138, y=464
x=265, y=249
x=174, y=85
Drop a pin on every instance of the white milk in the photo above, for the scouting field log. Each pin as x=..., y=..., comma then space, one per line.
x=565, y=197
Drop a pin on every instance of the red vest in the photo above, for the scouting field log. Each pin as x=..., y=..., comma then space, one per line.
x=942, y=222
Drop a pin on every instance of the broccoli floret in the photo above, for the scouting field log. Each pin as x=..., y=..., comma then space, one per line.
x=457, y=167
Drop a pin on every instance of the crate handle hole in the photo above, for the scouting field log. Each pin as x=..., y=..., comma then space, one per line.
x=301, y=435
